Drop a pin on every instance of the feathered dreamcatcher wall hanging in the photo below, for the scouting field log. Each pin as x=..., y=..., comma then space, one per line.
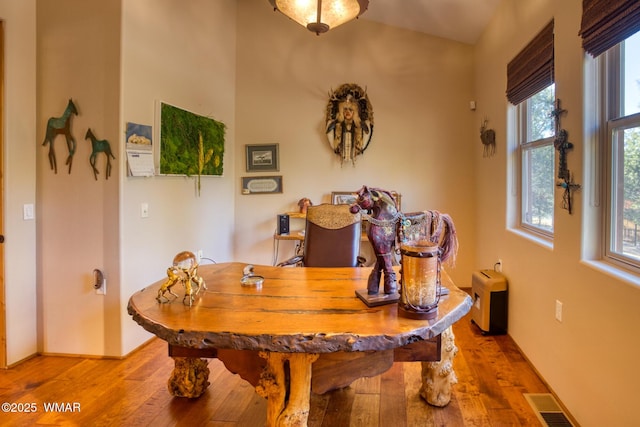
x=349, y=121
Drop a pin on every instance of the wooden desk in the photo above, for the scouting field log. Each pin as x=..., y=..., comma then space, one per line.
x=303, y=330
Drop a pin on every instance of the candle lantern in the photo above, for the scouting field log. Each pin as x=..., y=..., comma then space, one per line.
x=420, y=279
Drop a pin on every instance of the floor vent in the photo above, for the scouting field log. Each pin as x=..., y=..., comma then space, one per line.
x=548, y=410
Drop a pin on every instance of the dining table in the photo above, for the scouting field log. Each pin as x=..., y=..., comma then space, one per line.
x=293, y=331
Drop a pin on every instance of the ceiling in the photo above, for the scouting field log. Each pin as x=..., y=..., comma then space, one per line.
x=460, y=20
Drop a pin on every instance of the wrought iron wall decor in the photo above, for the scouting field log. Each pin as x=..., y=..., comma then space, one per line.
x=562, y=144
x=349, y=121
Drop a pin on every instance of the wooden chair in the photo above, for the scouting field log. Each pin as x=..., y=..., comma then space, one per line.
x=332, y=238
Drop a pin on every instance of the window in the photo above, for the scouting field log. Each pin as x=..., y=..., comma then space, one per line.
x=621, y=106
x=537, y=156
x=531, y=88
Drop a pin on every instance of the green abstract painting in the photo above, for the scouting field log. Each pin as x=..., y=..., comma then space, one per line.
x=190, y=144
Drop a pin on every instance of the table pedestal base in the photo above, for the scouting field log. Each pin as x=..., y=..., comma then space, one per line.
x=286, y=380
x=439, y=377
x=287, y=401
x=190, y=377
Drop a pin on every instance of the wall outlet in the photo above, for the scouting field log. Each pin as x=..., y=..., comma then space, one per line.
x=558, y=311
x=102, y=290
x=144, y=210
x=199, y=256
x=498, y=265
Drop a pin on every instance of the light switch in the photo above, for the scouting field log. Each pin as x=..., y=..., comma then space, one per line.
x=27, y=211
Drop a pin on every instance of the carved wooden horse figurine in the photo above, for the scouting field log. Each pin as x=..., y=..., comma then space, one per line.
x=57, y=126
x=99, y=146
x=383, y=226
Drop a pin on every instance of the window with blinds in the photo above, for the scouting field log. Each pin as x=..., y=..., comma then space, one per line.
x=531, y=88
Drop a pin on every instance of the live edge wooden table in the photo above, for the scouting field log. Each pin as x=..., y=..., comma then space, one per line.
x=303, y=330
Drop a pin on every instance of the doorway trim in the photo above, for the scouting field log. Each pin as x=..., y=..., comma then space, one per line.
x=3, y=312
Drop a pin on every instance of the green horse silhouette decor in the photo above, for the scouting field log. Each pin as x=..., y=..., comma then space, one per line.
x=99, y=146
x=57, y=126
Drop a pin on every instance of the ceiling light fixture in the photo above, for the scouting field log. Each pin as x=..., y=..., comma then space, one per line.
x=319, y=16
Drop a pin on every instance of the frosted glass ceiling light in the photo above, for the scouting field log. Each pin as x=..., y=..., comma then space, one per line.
x=320, y=16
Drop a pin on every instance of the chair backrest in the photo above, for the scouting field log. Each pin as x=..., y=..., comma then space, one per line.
x=332, y=236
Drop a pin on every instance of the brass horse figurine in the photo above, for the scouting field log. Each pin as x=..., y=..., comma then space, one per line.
x=99, y=146
x=57, y=126
x=188, y=277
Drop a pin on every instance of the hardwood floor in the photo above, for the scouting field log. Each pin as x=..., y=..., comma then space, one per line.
x=492, y=377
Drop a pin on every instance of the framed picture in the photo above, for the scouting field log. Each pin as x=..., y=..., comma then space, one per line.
x=350, y=197
x=343, y=197
x=262, y=158
x=261, y=184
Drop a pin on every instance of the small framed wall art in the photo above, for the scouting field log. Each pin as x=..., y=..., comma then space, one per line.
x=344, y=197
x=262, y=158
x=351, y=197
x=261, y=184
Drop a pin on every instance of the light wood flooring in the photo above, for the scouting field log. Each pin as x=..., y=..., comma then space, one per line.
x=492, y=374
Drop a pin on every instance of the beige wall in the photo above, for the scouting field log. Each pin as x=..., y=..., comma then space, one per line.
x=170, y=51
x=182, y=53
x=589, y=359
x=19, y=177
x=424, y=133
x=78, y=45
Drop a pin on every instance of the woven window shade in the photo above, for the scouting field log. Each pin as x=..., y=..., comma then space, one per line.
x=605, y=23
x=532, y=69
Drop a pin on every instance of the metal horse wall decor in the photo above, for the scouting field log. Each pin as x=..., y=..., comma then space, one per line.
x=57, y=126
x=99, y=146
